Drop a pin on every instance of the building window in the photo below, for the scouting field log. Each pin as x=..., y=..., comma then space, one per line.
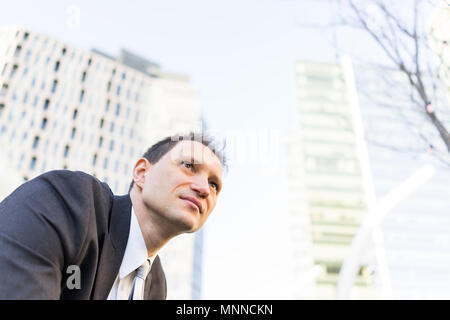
x=18, y=49
x=107, y=105
x=35, y=142
x=63, y=51
x=108, y=88
x=33, y=163
x=13, y=71
x=74, y=131
x=66, y=151
x=22, y=156
x=111, y=145
x=25, y=97
x=81, y=96
x=57, y=64
x=4, y=68
x=47, y=143
x=100, y=142
x=44, y=123
x=118, y=90
x=102, y=121
x=111, y=128
x=35, y=101
x=25, y=35
x=83, y=76
x=118, y=109
x=55, y=83
x=27, y=55
x=46, y=104
x=94, y=159
x=105, y=164
x=2, y=107
x=25, y=72
x=4, y=89
x=75, y=113
x=124, y=76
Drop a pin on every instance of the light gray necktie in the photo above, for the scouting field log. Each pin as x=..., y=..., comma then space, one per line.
x=137, y=290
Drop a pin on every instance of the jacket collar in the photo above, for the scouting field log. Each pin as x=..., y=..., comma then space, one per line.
x=113, y=248
x=119, y=224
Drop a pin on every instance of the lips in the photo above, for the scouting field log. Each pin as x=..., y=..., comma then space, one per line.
x=194, y=201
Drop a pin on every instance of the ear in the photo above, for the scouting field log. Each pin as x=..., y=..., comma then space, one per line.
x=140, y=169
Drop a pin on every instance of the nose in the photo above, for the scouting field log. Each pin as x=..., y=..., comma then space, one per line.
x=201, y=187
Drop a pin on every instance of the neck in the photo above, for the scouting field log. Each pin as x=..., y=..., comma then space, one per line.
x=154, y=228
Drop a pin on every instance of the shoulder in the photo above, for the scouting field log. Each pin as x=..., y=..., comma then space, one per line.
x=79, y=182
x=67, y=175
x=74, y=192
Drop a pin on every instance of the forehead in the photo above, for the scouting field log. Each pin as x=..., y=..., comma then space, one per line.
x=196, y=151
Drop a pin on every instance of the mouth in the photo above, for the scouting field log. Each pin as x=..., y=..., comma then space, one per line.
x=194, y=202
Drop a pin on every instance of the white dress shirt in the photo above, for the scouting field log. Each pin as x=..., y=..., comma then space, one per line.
x=134, y=256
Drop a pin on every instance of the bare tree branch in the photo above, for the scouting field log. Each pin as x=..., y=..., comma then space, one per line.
x=402, y=37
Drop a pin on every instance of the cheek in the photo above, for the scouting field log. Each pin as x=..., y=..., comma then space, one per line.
x=212, y=205
x=159, y=189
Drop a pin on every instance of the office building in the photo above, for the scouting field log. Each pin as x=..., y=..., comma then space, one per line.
x=327, y=180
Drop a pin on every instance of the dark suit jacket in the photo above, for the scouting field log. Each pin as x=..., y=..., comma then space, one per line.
x=64, y=218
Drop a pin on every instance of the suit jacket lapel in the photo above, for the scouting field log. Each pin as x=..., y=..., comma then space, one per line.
x=113, y=249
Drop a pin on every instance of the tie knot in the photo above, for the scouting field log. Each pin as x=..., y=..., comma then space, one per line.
x=143, y=270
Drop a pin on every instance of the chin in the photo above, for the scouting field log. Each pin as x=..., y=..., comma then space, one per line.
x=187, y=223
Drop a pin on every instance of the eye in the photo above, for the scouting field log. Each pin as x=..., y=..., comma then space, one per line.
x=214, y=185
x=187, y=164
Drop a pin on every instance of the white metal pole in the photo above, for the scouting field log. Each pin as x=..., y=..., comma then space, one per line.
x=350, y=265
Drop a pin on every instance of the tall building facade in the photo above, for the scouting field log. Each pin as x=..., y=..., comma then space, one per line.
x=64, y=108
x=328, y=196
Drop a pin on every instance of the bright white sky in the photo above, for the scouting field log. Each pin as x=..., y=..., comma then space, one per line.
x=241, y=56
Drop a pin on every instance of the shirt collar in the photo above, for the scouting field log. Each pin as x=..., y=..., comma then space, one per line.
x=135, y=251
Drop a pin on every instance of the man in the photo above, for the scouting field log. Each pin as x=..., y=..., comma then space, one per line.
x=64, y=235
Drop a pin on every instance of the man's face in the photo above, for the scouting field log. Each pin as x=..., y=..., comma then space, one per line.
x=182, y=187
